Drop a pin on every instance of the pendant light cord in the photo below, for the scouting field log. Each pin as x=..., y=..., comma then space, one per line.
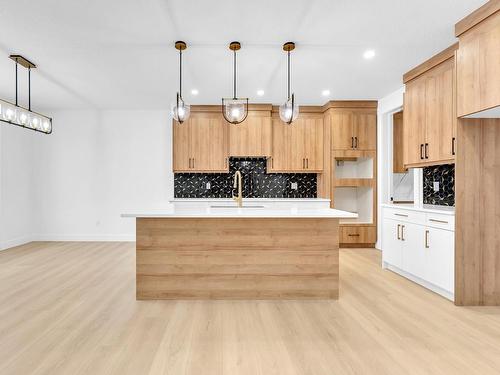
x=180, y=73
x=16, y=83
x=288, y=75
x=234, y=76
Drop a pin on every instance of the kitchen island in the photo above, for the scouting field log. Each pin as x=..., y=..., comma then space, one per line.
x=226, y=252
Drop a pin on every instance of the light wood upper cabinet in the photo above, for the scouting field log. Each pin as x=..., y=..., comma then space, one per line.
x=342, y=133
x=313, y=139
x=253, y=137
x=429, y=130
x=440, y=115
x=365, y=130
x=478, y=61
x=297, y=147
x=181, y=146
x=200, y=144
x=354, y=130
x=414, y=121
x=397, y=143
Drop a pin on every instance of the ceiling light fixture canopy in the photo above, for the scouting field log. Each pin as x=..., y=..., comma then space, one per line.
x=14, y=114
x=180, y=110
x=289, y=111
x=235, y=110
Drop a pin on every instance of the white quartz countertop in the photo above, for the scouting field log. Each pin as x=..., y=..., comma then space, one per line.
x=235, y=212
x=444, y=210
x=249, y=200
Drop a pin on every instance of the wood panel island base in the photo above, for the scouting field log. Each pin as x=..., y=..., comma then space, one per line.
x=237, y=258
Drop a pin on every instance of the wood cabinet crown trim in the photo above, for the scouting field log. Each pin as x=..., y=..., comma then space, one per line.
x=434, y=61
x=479, y=15
x=357, y=104
x=336, y=104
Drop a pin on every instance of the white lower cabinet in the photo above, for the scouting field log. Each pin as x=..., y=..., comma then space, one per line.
x=423, y=253
x=440, y=253
x=392, y=252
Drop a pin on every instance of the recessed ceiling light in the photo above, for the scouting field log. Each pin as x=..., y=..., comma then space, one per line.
x=194, y=92
x=325, y=92
x=260, y=92
x=369, y=54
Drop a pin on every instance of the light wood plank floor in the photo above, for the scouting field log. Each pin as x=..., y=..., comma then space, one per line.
x=70, y=308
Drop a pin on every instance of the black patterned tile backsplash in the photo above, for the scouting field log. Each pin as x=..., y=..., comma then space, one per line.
x=445, y=175
x=256, y=182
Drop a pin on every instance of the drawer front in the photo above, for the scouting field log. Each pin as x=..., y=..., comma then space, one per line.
x=440, y=221
x=357, y=234
x=405, y=215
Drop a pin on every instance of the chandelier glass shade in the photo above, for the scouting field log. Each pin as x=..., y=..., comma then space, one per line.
x=235, y=110
x=180, y=111
x=289, y=111
x=14, y=114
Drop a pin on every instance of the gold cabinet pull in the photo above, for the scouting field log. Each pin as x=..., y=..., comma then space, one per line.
x=399, y=226
x=402, y=232
x=438, y=221
x=401, y=215
x=426, y=239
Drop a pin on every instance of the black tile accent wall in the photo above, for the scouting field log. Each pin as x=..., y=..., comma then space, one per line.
x=445, y=175
x=256, y=182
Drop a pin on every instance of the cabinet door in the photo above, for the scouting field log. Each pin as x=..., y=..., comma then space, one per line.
x=414, y=257
x=439, y=112
x=440, y=252
x=342, y=130
x=414, y=121
x=391, y=242
x=252, y=137
x=397, y=143
x=208, y=143
x=313, y=138
x=181, y=146
x=478, y=67
x=365, y=131
x=298, y=144
x=281, y=156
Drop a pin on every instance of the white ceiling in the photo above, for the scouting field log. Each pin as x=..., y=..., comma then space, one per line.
x=119, y=54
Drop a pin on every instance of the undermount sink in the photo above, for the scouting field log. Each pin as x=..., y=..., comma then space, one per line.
x=234, y=206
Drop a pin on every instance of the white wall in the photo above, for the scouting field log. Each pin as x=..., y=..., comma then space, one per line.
x=16, y=185
x=95, y=166
x=75, y=183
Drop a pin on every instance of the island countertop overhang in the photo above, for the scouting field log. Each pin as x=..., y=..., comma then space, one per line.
x=235, y=212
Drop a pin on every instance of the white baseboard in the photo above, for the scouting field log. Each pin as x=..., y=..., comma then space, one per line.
x=442, y=292
x=15, y=242
x=85, y=237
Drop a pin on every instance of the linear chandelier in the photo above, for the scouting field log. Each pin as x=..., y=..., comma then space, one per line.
x=24, y=117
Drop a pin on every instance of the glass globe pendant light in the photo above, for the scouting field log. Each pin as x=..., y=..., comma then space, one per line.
x=289, y=111
x=234, y=110
x=180, y=110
